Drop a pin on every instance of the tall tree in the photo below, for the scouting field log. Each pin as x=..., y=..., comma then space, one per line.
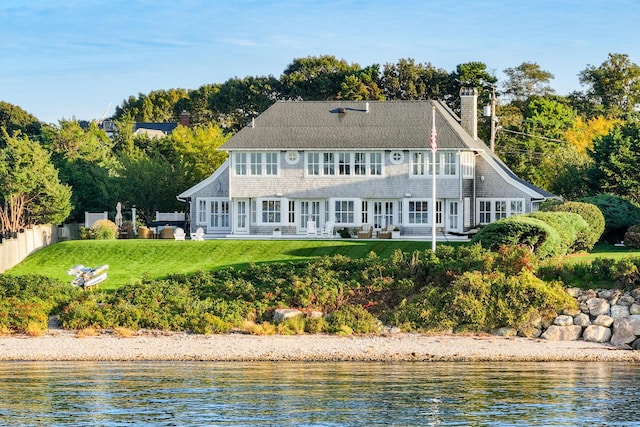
x=616, y=157
x=614, y=86
x=235, y=102
x=526, y=81
x=362, y=85
x=407, y=80
x=316, y=78
x=196, y=150
x=16, y=120
x=30, y=191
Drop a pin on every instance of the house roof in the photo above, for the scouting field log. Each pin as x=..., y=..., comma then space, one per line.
x=166, y=127
x=316, y=125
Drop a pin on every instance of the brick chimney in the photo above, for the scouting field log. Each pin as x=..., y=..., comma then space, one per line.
x=469, y=110
x=184, y=118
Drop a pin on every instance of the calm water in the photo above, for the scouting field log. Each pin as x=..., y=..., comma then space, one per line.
x=319, y=394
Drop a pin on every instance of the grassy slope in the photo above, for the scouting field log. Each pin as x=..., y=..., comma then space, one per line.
x=131, y=260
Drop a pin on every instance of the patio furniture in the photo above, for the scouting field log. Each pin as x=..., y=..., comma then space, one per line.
x=166, y=233
x=179, y=234
x=365, y=231
x=312, y=230
x=327, y=230
x=198, y=235
x=385, y=233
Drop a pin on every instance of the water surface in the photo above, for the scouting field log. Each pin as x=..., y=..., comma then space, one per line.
x=319, y=394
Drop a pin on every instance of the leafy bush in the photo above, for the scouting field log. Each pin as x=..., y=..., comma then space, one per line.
x=632, y=237
x=619, y=214
x=355, y=317
x=571, y=227
x=590, y=213
x=521, y=230
x=105, y=230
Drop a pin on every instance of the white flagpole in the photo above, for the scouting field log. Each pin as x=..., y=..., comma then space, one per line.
x=434, y=149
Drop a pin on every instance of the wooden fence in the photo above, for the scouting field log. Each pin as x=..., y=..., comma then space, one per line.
x=13, y=251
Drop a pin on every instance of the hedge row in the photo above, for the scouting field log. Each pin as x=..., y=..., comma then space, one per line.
x=566, y=228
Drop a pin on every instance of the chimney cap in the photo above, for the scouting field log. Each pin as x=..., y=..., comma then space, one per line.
x=468, y=91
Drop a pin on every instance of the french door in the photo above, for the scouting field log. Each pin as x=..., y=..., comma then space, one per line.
x=218, y=216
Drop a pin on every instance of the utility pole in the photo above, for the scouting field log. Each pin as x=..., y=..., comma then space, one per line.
x=494, y=119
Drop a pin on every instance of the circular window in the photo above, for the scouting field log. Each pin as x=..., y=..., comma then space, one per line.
x=396, y=157
x=292, y=157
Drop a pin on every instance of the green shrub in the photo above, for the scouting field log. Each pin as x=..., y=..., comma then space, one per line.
x=571, y=227
x=632, y=237
x=485, y=301
x=105, y=230
x=355, y=317
x=619, y=214
x=87, y=233
x=521, y=230
x=590, y=213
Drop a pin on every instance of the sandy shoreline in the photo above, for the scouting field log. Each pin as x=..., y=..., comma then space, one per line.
x=58, y=345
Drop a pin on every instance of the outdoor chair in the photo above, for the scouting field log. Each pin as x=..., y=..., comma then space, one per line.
x=365, y=231
x=166, y=233
x=179, y=234
x=198, y=235
x=385, y=233
x=312, y=230
x=327, y=230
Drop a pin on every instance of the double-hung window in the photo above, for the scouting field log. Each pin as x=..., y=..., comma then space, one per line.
x=241, y=163
x=344, y=163
x=256, y=163
x=375, y=164
x=360, y=163
x=418, y=164
x=328, y=160
x=313, y=163
x=271, y=163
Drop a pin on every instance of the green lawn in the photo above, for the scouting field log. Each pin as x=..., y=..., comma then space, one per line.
x=131, y=260
x=602, y=251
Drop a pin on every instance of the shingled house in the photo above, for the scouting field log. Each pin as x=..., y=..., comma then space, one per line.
x=354, y=163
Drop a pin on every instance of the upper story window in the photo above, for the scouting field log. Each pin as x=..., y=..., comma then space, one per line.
x=396, y=157
x=256, y=163
x=271, y=164
x=422, y=164
x=344, y=163
x=313, y=163
x=375, y=163
x=328, y=160
x=241, y=163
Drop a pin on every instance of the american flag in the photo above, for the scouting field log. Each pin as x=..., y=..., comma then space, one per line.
x=434, y=134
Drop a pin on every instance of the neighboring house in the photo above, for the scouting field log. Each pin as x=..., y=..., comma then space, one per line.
x=357, y=163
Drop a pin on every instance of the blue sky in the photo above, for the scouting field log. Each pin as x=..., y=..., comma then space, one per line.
x=74, y=58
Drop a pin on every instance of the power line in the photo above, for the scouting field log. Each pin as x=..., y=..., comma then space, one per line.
x=532, y=136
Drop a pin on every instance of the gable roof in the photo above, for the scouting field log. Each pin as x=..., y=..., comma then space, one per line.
x=317, y=125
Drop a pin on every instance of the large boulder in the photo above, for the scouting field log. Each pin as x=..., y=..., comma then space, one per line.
x=603, y=320
x=562, y=333
x=619, y=311
x=598, y=306
x=625, y=330
x=581, y=319
x=595, y=333
x=282, y=314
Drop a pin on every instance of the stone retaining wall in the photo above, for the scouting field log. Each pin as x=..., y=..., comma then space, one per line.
x=604, y=316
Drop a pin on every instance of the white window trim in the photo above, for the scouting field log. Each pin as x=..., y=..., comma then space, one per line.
x=430, y=213
x=336, y=164
x=427, y=165
x=492, y=212
x=357, y=211
x=249, y=164
x=283, y=210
